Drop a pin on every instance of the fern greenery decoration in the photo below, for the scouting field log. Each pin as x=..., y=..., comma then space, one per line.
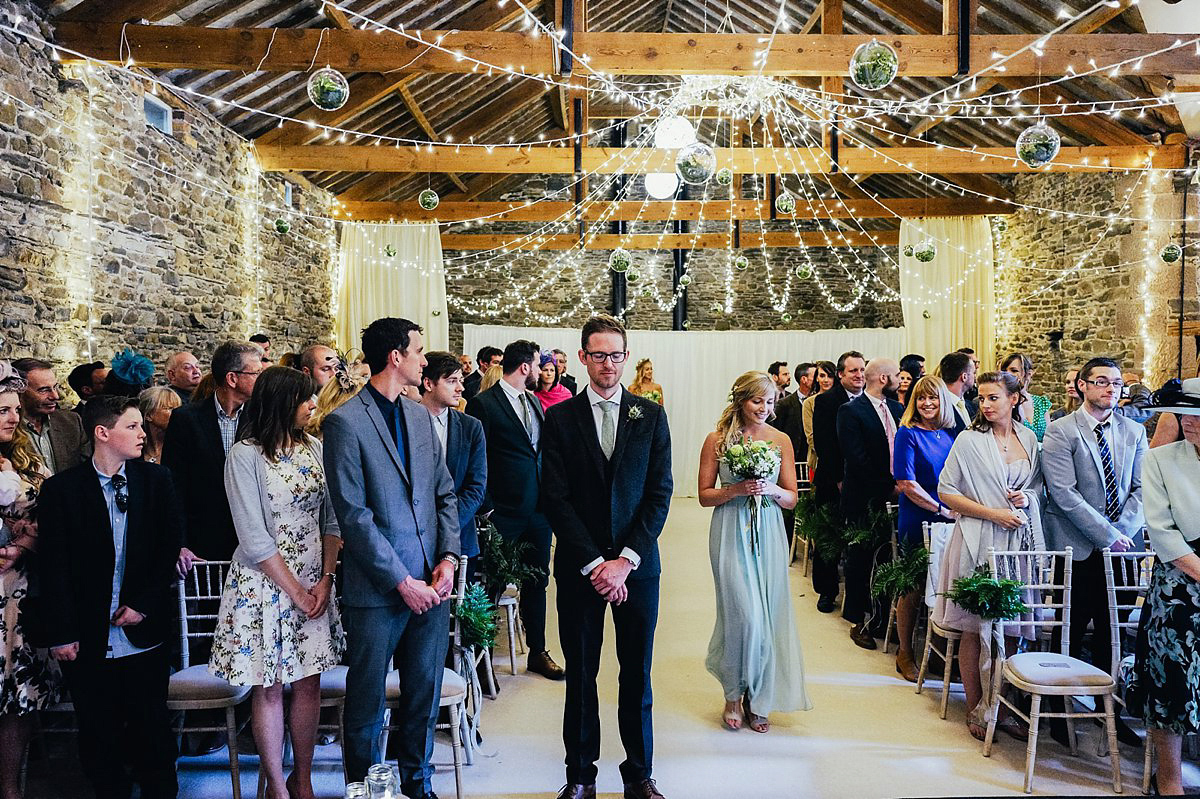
x=502, y=562
x=901, y=576
x=871, y=531
x=815, y=523
x=983, y=595
x=477, y=618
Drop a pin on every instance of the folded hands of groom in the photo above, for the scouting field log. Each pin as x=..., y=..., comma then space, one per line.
x=609, y=579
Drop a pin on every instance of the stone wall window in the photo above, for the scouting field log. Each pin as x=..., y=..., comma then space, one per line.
x=158, y=113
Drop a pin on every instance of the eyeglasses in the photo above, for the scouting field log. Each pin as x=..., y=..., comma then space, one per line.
x=1104, y=382
x=615, y=357
x=122, y=499
x=252, y=374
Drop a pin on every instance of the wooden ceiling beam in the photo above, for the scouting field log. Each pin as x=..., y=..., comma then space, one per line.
x=604, y=160
x=121, y=10
x=179, y=47
x=714, y=210
x=414, y=108
x=670, y=241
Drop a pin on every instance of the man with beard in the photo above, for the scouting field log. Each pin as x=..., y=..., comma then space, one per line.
x=512, y=426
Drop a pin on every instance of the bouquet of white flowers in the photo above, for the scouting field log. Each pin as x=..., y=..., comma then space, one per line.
x=748, y=459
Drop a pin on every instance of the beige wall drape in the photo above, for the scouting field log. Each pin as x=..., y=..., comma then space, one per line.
x=410, y=283
x=955, y=290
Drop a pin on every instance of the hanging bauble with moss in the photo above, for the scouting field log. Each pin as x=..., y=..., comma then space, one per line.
x=785, y=203
x=282, y=225
x=633, y=276
x=873, y=65
x=785, y=317
x=926, y=315
x=925, y=252
x=740, y=263
x=685, y=281
x=620, y=260
x=390, y=251
x=908, y=251
x=1038, y=145
x=696, y=163
x=804, y=271
x=724, y=176
x=428, y=199
x=328, y=89
x=1171, y=253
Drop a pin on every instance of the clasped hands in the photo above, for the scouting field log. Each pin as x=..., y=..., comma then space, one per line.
x=609, y=580
x=753, y=488
x=124, y=617
x=315, y=601
x=420, y=596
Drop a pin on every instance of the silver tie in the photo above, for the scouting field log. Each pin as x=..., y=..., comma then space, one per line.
x=526, y=418
x=608, y=427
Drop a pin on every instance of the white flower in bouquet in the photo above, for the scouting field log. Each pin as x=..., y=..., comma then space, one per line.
x=749, y=459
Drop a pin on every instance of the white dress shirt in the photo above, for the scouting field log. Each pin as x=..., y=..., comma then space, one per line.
x=514, y=399
x=594, y=400
x=439, y=427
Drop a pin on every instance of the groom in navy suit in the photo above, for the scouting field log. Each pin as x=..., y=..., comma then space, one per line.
x=607, y=488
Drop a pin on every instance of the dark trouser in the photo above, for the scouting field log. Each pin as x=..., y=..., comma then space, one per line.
x=419, y=642
x=859, y=606
x=125, y=734
x=534, y=530
x=825, y=573
x=1089, y=602
x=581, y=631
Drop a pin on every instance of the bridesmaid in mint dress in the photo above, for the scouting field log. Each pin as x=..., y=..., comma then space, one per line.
x=755, y=650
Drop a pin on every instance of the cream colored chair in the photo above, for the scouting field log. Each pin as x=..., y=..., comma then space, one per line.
x=932, y=628
x=509, y=604
x=1048, y=673
x=193, y=687
x=893, y=512
x=801, y=546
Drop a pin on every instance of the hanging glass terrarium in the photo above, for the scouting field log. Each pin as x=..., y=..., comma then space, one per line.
x=1038, y=145
x=620, y=260
x=696, y=163
x=328, y=89
x=873, y=65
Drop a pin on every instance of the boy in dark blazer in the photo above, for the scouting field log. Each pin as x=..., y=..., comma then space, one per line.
x=110, y=531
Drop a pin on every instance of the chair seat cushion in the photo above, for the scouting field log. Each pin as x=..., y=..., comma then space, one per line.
x=454, y=687
x=1055, y=670
x=198, y=684
x=333, y=683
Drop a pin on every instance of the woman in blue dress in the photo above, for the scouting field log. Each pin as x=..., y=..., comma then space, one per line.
x=755, y=650
x=923, y=442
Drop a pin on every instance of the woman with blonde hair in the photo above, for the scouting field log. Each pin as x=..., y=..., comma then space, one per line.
x=923, y=441
x=332, y=396
x=28, y=677
x=643, y=384
x=491, y=377
x=156, y=404
x=754, y=651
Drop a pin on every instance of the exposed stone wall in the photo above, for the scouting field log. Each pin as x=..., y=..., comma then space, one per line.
x=559, y=296
x=178, y=247
x=1122, y=302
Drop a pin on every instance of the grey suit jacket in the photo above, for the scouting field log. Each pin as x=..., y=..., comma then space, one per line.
x=395, y=522
x=1075, y=483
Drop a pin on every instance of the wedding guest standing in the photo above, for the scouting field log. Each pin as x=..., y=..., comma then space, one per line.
x=512, y=421
x=1092, y=460
x=1168, y=647
x=57, y=435
x=28, y=677
x=866, y=431
x=957, y=370
x=608, y=488
x=1073, y=398
x=278, y=623
x=487, y=357
x=564, y=377
x=550, y=390
x=1169, y=429
x=110, y=531
x=993, y=480
x=904, y=381
x=396, y=509
x=156, y=404
x=754, y=651
x=643, y=384
x=1034, y=407
x=183, y=374
x=826, y=376
x=336, y=393
x=927, y=431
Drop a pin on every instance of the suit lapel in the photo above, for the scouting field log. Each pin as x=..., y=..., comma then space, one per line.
x=587, y=429
x=212, y=429
x=376, y=417
x=1089, y=441
x=868, y=407
x=452, y=434
x=412, y=416
x=137, y=501
x=94, y=496
x=623, y=429
x=506, y=408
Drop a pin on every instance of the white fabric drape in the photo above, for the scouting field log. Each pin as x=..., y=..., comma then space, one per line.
x=697, y=368
x=956, y=288
x=410, y=283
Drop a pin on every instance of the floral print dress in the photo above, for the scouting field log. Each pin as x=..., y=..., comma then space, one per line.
x=262, y=638
x=29, y=678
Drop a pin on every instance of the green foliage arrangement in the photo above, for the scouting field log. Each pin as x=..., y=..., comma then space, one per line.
x=871, y=531
x=477, y=617
x=501, y=562
x=985, y=596
x=901, y=576
x=815, y=523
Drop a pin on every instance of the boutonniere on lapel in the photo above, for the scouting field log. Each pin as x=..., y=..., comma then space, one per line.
x=634, y=414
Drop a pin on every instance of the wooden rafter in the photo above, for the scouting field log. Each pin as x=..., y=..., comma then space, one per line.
x=121, y=10
x=603, y=160
x=414, y=108
x=738, y=210
x=671, y=241
x=170, y=47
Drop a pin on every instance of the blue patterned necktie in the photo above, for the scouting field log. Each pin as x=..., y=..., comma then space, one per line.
x=1112, y=505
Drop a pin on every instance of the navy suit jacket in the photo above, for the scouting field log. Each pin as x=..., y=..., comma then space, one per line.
x=514, y=466
x=466, y=459
x=789, y=420
x=867, y=476
x=598, y=507
x=192, y=450
x=825, y=437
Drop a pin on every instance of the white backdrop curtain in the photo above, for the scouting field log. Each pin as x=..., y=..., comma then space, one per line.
x=956, y=289
x=373, y=284
x=697, y=368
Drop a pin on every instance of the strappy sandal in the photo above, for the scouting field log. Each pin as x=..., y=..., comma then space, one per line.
x=757, y=723
x=976, y=725
x=732, y=720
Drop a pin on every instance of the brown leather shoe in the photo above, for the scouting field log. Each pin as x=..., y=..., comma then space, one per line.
x=541, y=663
x=576, y=791
x=646, y=789
x=906, y=667
x=860, y=636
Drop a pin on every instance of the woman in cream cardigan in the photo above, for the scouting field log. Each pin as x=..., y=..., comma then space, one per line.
x=1168, y=651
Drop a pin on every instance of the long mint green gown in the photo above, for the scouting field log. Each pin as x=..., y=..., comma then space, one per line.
x=755, y=648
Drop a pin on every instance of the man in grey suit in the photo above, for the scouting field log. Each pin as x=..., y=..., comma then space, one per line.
x=395, y=502
x=1092, y=462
